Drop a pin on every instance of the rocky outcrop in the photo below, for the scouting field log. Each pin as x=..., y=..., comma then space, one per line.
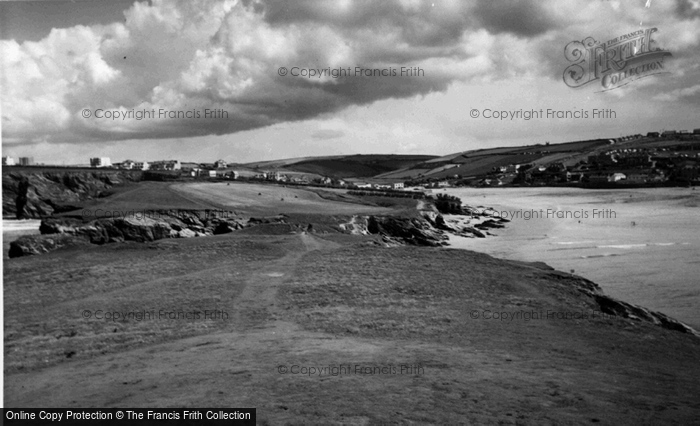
x=151, y=226
x=607, y=305
x=39, y=244
x=412, y=231
x=489, y=224
x=430, y=230
x=611, y=306
x=38, y=194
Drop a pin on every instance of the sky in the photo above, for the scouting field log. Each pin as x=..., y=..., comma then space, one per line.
x=208, y=79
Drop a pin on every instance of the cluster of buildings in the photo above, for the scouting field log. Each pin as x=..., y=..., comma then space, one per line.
x=622, y=166
x=276, y=176
x=220, y=169
x=101, y=162
x=677, y=160
x=159, y=165
x=673, y=133
x=21, y=161
x=396, y=186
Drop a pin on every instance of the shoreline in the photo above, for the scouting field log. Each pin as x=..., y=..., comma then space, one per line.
x=625, y=255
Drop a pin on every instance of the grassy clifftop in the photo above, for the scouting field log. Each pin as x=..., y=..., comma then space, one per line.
x=462, y=321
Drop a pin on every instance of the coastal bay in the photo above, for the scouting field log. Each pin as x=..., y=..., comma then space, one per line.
x=644, y=249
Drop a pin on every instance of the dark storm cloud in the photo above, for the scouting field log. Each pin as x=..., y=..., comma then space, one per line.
x=687, y=9
x=525, y=18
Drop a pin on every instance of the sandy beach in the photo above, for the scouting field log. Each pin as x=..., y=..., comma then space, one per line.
x=640, y=245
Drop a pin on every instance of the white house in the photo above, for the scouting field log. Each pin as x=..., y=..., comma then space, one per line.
x=141, y=165
x=134, y=165
x=398, y=185
x=8, y=161
x=616, y=177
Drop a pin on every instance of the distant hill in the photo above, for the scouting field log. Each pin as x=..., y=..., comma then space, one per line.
x=479, y=162
x=344, y=167
x=466, y=164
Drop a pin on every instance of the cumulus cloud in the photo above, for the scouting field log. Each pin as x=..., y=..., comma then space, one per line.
x=675, y=95
x=224, y=55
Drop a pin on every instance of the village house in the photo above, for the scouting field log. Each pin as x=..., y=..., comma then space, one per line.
x=100, y=162
x=635, y=159
x=133, y=165
x=166, y=165
x=25, y=161
x=616, y=177
x=8, y=161
x=642, y=176
x=596, y=177
x=189, y=166
x=668, y=133
x=398, y=186
x=126, y=164
x=220, y=164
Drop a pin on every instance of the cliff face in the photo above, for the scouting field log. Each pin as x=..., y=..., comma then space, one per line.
x=37, y=194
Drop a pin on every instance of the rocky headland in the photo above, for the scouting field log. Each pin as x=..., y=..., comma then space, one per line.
x=37, y=194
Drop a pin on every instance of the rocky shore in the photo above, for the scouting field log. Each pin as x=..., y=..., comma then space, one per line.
x=62, y=232
x=430, y=229
x=147, y=227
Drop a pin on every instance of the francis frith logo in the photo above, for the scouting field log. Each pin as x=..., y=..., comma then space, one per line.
x=616, y=62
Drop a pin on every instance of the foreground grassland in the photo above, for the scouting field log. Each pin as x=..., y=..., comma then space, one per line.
x=295, y=299
x=320, y=300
